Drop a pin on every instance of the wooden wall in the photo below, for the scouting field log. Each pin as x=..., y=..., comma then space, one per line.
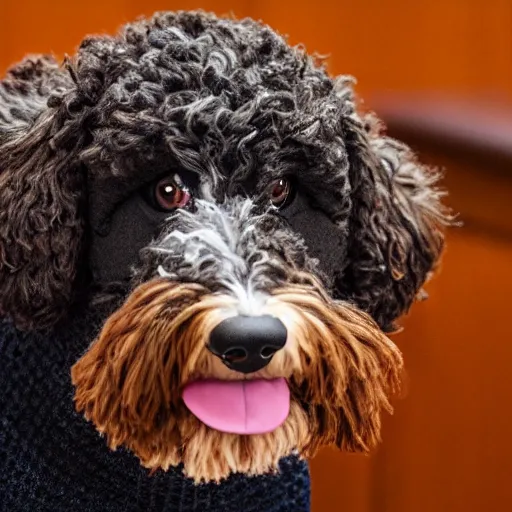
x=447, y=448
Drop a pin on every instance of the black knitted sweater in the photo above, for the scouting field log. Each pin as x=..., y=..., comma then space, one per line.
x=52, y=460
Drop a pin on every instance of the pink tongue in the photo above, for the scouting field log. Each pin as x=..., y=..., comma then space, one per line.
x=239, y=407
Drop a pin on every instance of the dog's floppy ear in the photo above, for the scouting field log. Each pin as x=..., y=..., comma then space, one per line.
x=40, y=195
x=397, y=222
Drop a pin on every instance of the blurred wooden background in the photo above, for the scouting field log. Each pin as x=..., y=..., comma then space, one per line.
x=440, y=73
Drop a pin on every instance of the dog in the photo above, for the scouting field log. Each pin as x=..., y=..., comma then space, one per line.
x=247, y=235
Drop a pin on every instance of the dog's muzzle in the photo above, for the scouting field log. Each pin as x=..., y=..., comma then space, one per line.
x=247, y=344
x=229, y=353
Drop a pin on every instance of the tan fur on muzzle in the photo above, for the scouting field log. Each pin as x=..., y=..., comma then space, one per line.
x=340, y=368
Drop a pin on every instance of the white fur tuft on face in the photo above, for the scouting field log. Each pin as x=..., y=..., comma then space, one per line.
x=219, y=238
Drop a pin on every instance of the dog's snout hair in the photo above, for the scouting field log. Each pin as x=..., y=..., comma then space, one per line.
x=340, y=366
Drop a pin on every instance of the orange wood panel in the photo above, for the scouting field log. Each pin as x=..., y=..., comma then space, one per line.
x=220, y=7
x=448, y=446
x=342, y=482
x=461, y=46
x=58, y=26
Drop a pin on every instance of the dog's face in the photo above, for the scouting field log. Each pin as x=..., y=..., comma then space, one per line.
x=257, y=235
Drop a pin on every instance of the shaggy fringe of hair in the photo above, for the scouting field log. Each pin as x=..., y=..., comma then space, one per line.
x=40, y=198
x=349, y=369
x=397, y=222
x=341, y=369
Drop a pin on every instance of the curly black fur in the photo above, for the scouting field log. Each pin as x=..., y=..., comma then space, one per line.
x=41, y=223
x=230, y=101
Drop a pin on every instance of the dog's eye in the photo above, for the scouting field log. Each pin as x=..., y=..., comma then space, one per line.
x=280, y=192
x=169, y=193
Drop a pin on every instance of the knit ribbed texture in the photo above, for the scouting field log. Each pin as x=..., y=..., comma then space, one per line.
x=52, y=460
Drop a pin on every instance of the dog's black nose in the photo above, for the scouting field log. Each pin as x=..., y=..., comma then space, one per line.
x=247, y=343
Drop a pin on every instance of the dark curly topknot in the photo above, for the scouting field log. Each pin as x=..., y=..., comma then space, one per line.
x=229, y=100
